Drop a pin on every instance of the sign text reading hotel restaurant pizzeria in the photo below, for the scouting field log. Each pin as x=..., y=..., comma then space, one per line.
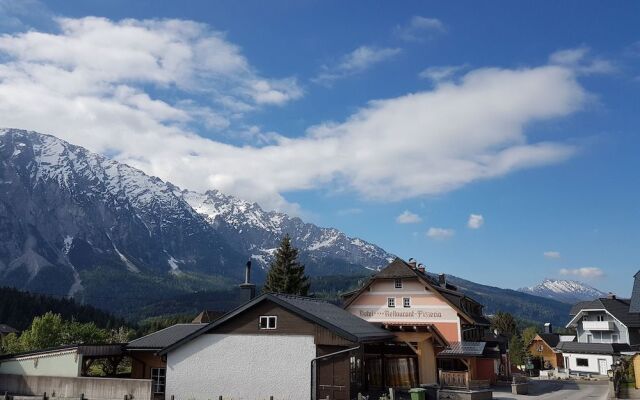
x=399, y=314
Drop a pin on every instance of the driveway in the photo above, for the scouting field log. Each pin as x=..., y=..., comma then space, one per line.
x=555, y=390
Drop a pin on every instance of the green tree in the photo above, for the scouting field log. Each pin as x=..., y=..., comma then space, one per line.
x=286, y=274
x=528, y=334
x=517, y=351
x=46, y=331
x=79, y=333
x=11, y=344
x=504, y=323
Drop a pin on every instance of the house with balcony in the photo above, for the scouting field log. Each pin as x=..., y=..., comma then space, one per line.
x=445, y=331
x=606, y=328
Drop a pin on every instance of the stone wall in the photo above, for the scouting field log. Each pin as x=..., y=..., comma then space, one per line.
x=92, y=388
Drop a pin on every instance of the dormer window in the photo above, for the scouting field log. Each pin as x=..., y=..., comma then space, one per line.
x=268, y=322
x=398, y=283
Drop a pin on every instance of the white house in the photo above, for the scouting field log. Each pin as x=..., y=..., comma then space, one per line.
x=605, y=329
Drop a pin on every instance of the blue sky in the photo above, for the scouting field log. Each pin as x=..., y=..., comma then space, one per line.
x=352, y=114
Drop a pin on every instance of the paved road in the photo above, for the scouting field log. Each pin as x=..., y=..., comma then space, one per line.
x=550, y=390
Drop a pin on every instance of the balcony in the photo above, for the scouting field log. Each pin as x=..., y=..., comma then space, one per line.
x=598, y=325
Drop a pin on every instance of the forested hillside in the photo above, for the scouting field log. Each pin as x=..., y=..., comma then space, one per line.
x=18, y=309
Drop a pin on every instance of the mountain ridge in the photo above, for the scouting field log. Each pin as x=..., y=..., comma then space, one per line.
x=564, y=290
x=72, y=220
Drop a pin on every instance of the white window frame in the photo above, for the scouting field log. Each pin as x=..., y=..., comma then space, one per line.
x=600, y=318
x=271, y=322
x=585, y=359
x=397, y=283
x=159, y=380
x=391, y=302
x=406, y=302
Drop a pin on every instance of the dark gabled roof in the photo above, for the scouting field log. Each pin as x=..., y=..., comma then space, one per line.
x=6, y=329
x=634, y=302
x=593, y=348
x=619, y=308
x=330, y=316
x=552, y=339
x=399, y=269
x=164, y=337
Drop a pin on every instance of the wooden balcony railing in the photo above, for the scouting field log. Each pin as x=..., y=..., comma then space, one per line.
x=460, y=380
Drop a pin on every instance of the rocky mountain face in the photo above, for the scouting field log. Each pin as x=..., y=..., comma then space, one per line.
x=566, y=291
x=75, y=222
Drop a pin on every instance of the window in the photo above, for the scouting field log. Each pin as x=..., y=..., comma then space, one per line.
x=585, y=317
x=158, y=379
x=600, y=318
x=589, y=338
x=268, y=322
x=398, y=283
x=614, y=338
x=582, y=362
x=391, y=302
x=406, y=302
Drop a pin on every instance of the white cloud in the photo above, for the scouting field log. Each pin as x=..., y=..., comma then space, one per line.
x=586, y=272
x=407, y=217
x=441, y=73
x=440, y=233
x=111, y=87
x=359, y=60
x=475, y=221
x=552, y=254
x=579, y=59
x=420, y=28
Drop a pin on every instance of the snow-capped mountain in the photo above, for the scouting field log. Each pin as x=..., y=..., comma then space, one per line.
x=73, y=221
x=257, y=232
x=567, y=291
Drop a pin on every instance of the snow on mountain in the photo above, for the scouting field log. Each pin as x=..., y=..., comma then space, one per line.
x=74, y=221
x=567, y=291
x=257, y=232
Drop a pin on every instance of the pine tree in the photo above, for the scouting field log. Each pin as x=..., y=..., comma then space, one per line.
x=286, y=274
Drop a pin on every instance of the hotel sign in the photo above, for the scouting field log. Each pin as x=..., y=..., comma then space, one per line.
x=409, y=315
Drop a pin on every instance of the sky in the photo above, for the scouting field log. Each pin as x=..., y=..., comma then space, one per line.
x=494, y=141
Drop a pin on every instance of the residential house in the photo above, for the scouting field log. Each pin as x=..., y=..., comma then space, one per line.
x=606, y=328
x=285, y=346
x=442, y=326
x=543, y=348
x=146, y=363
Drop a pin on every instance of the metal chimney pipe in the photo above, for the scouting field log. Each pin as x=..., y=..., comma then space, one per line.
x=247, y=273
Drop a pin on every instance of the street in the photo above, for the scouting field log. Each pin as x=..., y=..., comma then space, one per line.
x=554, y=390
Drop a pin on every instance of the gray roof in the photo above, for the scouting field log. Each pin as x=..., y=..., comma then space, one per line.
x=634, y=306
x=593, y=348
x=330, y=316
x=164, y=337
x=619, y=308
x=6, y=329
x=458, y=349
x=323, y=312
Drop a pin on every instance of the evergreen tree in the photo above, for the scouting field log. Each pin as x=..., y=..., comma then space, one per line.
x=286, y=274
x=517, y=351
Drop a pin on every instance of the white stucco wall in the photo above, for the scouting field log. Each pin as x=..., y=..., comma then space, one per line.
x=593, y=362
x=241, y=367
x=65, y=364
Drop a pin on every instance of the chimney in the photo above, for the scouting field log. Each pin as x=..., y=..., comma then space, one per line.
x=634, y=306
x=248, y=288
x=548, y=328
x=611, y=296
x=422, y=268
x=413, y=263
x=442, y=280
